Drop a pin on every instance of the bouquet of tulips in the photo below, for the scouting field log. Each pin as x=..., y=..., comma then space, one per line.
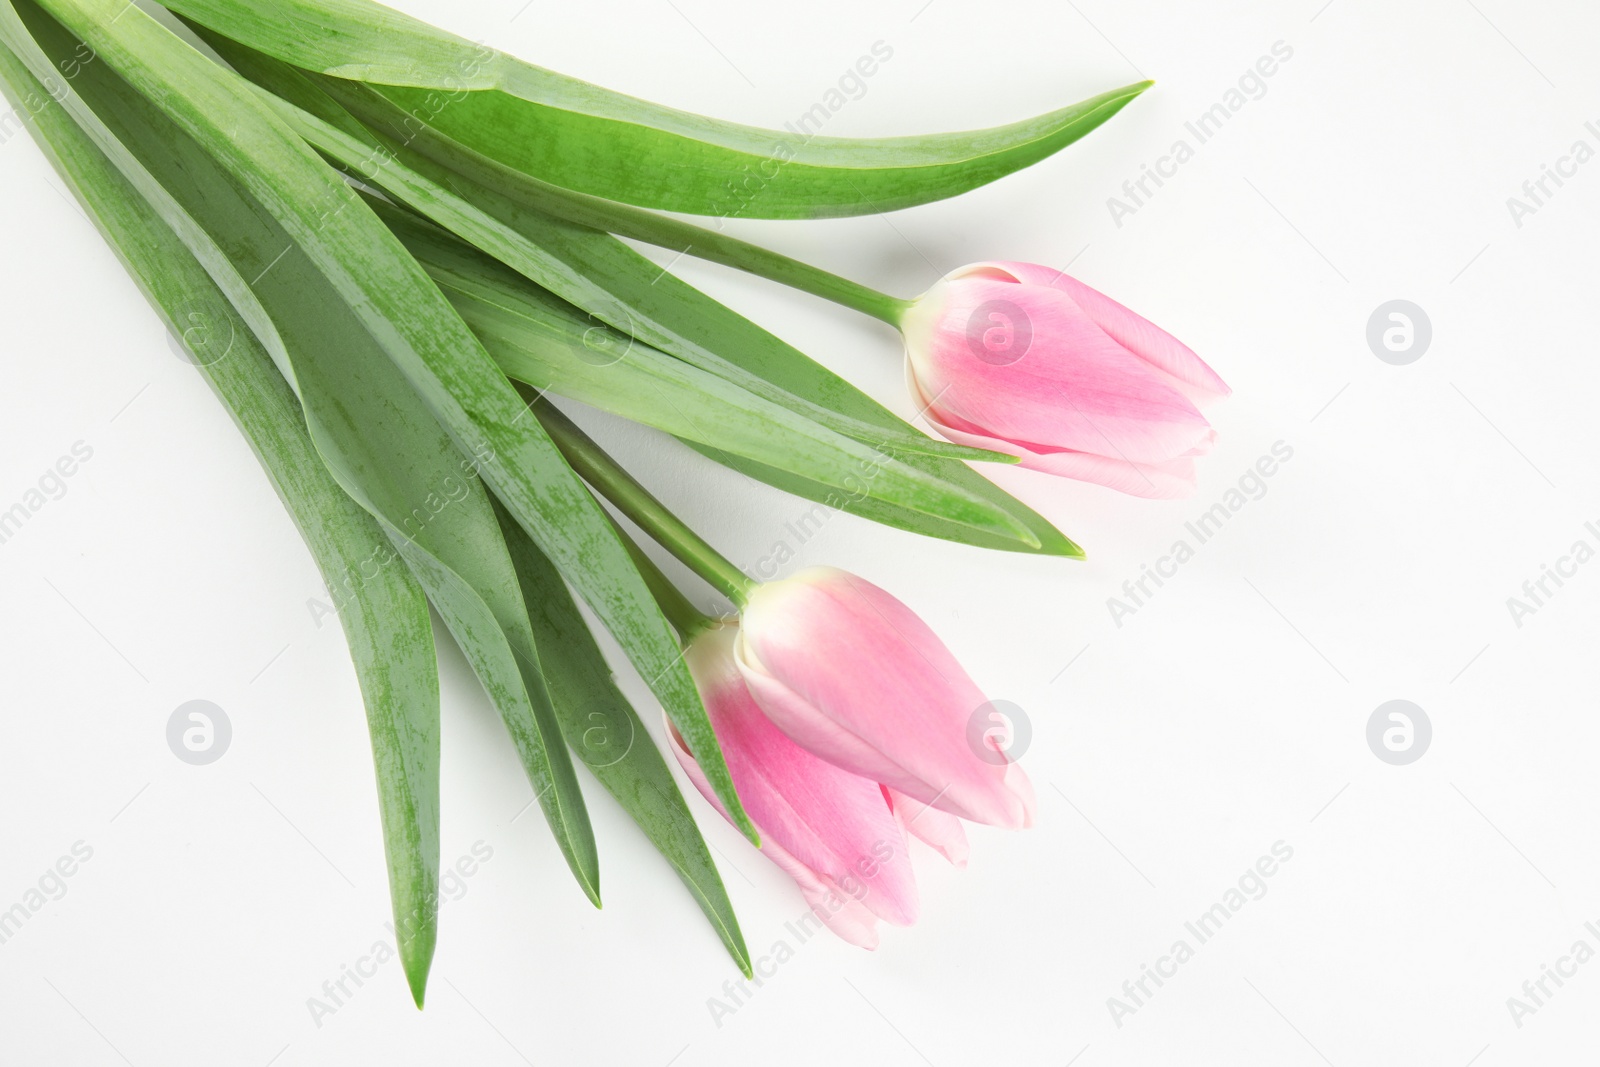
x=386, y=248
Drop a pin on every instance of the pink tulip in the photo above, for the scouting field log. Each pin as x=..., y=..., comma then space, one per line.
x=937, y=829
x=851, y=674
x=1023, y=359
x=829, y=830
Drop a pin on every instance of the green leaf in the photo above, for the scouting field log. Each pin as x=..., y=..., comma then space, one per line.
x=635, y=286
x=755, y=352
x=627, y=291
x=584, y=267
x=537, y=339
x=1052, y=542
x=378, y=439
x=401, y=308
x=383, y=613
x=606, y=734
x=588, y=138
x=549, y=344
x=657, y=307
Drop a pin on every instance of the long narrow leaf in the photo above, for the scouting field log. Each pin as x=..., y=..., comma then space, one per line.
x=592, y=139
x=630, y=289
x=377, y=438
x=382, y=609
x=645, y=294
x=535, y=341
x=583, y=266
x=607, y=735
x=538, y=339
x=417, y=328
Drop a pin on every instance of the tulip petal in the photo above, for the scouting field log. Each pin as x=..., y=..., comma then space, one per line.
x=1128, y=328
x=842, y=913
x=1023, y=359
x=938, y=829
x=834, y=823
x=1066, y=384
x=853, y=675
x=1171, y=480
x=1021, y=786
x=845, y=914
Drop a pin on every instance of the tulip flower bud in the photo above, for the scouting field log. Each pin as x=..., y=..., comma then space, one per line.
x=937, y=829
x=1023, y=359
x=851, y=674
x=831, y=831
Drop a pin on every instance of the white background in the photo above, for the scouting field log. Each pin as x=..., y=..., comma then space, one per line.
x=1227, y=714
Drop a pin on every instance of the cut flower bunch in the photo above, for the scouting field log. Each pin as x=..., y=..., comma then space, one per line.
x=386, y=247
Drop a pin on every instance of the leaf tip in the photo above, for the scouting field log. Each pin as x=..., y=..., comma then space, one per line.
x=417, y=959
x=1062, y=546
x=590, y=881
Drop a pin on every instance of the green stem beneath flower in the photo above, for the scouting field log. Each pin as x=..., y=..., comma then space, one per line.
x=608, y=478
x=685, y=618
x=686, y=238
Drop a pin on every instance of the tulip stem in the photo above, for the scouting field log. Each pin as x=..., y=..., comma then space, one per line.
x=685, y=238
x=608, y=479
x=685, y=618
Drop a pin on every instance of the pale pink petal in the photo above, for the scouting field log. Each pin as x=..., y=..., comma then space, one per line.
x=1171, y=480
x=1130, y=329
x=833, y=822
x=938, y=829
x=1066, y=385
x=854, y=676
x=1021, y=358
x=1018, y=782
x=842, y=913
